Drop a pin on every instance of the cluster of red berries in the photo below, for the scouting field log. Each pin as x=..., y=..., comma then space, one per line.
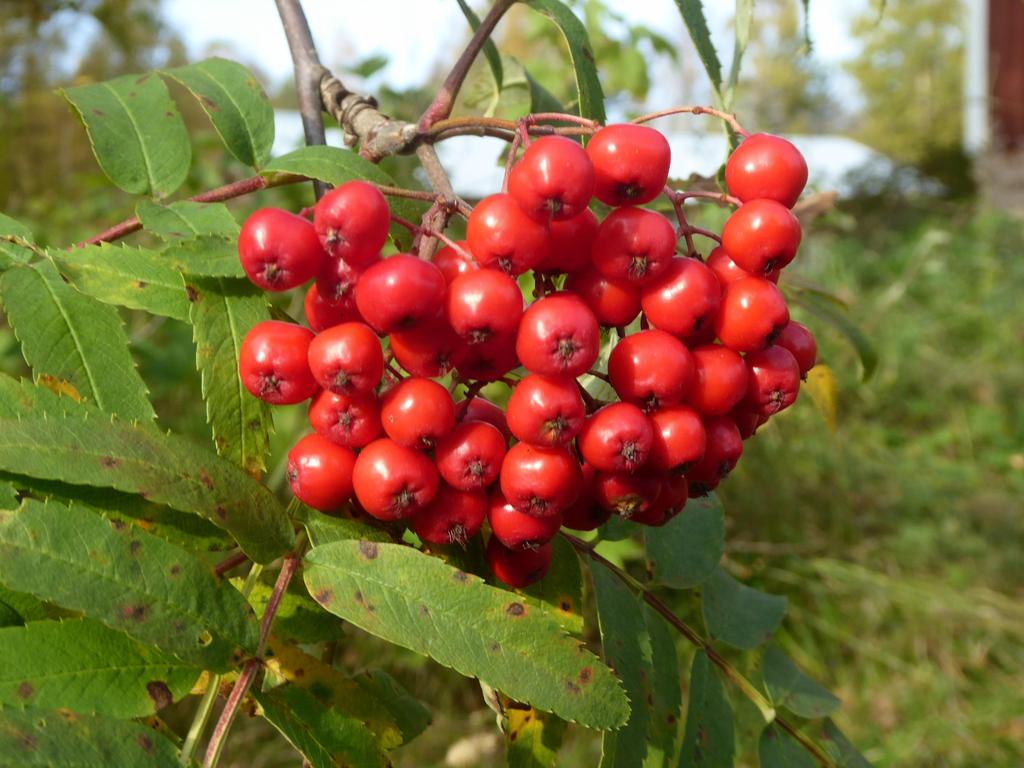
x=714, y=353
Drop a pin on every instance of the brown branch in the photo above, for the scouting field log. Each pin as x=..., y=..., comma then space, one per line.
x=229, y=562
x=695, y=110
x=447, y=128
x=718, y=197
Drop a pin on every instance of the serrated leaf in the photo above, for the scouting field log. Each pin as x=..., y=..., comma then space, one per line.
x=490, y=50
x=666, y=694
x=326, y=737
x=823, y=388
x=323, y=529
x=532, y=738
x=222, y=312
x=205, y=256
x=740, y=615
x=788, y=687
x=127, y=579
x=685, y=551
x=409, y=713
x=777, y=749
x=19, y=607
x=18, y=396
x=692, y=12
x=82, y=665
x=8, y=496
x=236, y=104
x=834, y=742
x=12, y=253
x=136, y=132
x=162, y=468
x=627, y=649
x=709, y=738
x=125, y=277
x=826, y=310
x=421, y=603
x=591, y=102
x=560, y=592
x=73, y=337
x=299, y=619
x=32, y=738
x=186, y=220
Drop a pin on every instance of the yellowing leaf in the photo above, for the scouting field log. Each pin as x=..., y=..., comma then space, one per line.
x=821, y=385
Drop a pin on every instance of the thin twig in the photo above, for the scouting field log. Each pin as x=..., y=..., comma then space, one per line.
x=231, y=561
x=718, y=197
x=443, y=129
x=695, y=110
x=684, y=225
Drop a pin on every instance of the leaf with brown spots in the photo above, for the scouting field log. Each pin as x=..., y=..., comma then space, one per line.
x=709, y=740
x=666, y=696
x=560, y=592
x=532, y=738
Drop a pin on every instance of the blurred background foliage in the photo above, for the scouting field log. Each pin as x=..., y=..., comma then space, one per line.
x=897, y=537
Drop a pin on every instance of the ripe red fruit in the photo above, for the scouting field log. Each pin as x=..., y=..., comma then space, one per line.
x=650, y=369
x=761, y=236
x=616, y=438
x=469, y=457
x=668, y=504
x=679, y=439
x=774, y=380
x=321, y=315
x=428, y=349
x=634, y=245
x=558, y=336
x=482, y=409
x=747, y=419
x=453, y=517
x=626, y=494
x=452, y=263
x=585, y=514
x=417, y=413
x=518, y=568
x=570, y=242
x=400, y=291
x=347, y=358
x=273, y=362
x=631, y=164
x=554, y=180
x=752, y=313
x=484, y=304
x=766, y=166
x=719, y=381
x=352, y=222
x=519, y=530
x=683, y=300
x=725, y=446
x=727, y=271
x=503, y=236
x=546, y=410
x=540, y=481
x=488, y=360
x=320, y=473
x=278, y=250
x=613, y=303
x=336, y=283
x=798, y=339
x=393, y=482
x=350, y=419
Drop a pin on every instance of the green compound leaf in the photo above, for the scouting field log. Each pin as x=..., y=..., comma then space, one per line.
x=744, y=17
x=591, y=104
x=162, y=468
x=186, y=220
x=125, y=277
x=532, y=738
x=323, y=529
x=72, y=337
x=326, y=737
x=481, y=94
x=82, y=665
x=777, y=749
x=560, y=592
x=38, y=738
x=627, y=649
x=298, y=619
x=739, y=615
x=709, y=739
x=136, y=133
x=16, y=608
x=666, y=694
x=408, y=712
x=685, y=551
x=236, y=104
x=788, y=687
x=421, y=603
x=205, y=256
x=692, y=12
x=12, y=253
x=222, y=312
x=834, y=742
x=127, y=579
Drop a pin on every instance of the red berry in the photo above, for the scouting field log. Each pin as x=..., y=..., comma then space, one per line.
x=278, y=250
x=751, y=315
x=453, y=517
x=489, y=360
x=518, y=568
x=452, y=263
x=321, y=315
x=350, y=419
x=554, y=180
x=400, y=291
x=570, y=243
x=761, y=236
x=352, y=221
x=393, y=482
x=668, y=504
x=540, y=481
x=336, y=283
x=719, y=381
x=614, y=303
x=747, y=419
x=798, y=339
x=469, y=457
x=683, y=301
x=417, y=413
x=766, y=166
x=546, y=410
x=481, y=409
x=558, y=336
x=501, y=235
x=679, y=439
x=347, y=358
x=634, y=245
x=626, y=494
x=320, y=473
x=428, y=349
x=484, y=304
x=519, y=530
x=273, y=362
x=616, y=438
x=650, y=369
x=774, y=380
x=725, y=446
x=631, y=164
x=585, y=514
x=728, y=272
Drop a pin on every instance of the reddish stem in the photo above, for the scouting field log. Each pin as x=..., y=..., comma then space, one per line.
x=231, y=561
x=684, y=226
x=718, y=197
x=695, y=110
